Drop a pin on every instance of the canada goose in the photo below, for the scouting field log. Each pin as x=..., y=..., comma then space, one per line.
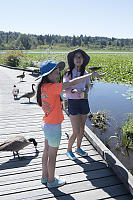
x=15, y=91
x=29, y=94
x=21, y=76
x=16, y=143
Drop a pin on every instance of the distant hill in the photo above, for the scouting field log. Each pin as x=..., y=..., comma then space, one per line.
x=19, y=41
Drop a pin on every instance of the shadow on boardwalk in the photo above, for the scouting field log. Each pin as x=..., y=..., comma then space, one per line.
x=59, y=195
x=105, y=183
x=16, y=162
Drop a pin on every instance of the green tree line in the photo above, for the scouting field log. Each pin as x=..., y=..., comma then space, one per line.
x=19, y=41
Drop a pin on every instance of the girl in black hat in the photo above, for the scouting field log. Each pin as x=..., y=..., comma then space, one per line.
x=78, y=106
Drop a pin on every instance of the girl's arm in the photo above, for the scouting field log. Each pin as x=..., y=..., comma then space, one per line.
x=80, y=79
x=67, y=78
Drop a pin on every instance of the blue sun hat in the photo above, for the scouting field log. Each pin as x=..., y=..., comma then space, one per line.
x=48, y=66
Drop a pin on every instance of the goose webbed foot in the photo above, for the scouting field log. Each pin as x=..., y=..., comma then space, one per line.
x=14, y=154
x=20, y=158
x=18, y=155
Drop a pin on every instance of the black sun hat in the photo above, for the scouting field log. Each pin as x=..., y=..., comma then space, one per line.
x=70, y=57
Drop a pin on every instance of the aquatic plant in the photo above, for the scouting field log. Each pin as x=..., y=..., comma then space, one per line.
x=125, y=136
x=118, y=66
x=26, y=62
x=115, y=139
x=127, y=129
x=127, y=142
x=99, y=119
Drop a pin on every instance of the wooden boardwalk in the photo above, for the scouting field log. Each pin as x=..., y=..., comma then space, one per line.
x=87, y=178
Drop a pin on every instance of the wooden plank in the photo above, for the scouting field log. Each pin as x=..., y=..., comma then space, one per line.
x=33, y=160
x=82, y=183
x=74, y=184
x=71, y=169
x=23, y=130
x=36, y=175
x=123, y=197
x=90, y=191
x=114, y=191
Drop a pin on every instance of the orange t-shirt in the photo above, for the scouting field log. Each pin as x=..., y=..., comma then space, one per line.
x=51, y=104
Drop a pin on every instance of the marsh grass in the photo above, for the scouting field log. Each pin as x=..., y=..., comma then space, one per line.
x=127, y=132
x=118, y=66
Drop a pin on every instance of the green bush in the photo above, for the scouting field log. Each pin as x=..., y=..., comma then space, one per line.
x=12, y=58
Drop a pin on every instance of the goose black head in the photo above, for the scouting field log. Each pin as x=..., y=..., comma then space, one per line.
x=34, y=141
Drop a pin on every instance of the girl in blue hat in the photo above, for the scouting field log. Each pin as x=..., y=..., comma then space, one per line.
x=48, y=97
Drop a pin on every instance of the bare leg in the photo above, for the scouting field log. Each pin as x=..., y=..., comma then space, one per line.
x=51, y=163
x=75, y=121
x=82, y=126
x=45, y=160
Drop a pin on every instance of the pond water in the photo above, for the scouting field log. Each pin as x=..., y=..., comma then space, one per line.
x=110, y=97
x=68, y=52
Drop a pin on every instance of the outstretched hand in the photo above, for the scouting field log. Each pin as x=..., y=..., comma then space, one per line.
x=76, y=91
x=95, y=74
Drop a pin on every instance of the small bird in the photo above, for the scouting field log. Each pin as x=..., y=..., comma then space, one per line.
x=15, y=91
x=21, y=76
x=16, y=143
x=67, y=136
x=29, y=94
x=94, y=68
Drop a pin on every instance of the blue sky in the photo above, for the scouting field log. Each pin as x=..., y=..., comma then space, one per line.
x=109, y=18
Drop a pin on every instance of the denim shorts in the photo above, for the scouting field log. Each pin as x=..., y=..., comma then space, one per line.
x=52, y=133
x=78, y=106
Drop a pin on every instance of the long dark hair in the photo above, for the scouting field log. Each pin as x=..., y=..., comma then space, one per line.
x=69, y=71
x=38, y=96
